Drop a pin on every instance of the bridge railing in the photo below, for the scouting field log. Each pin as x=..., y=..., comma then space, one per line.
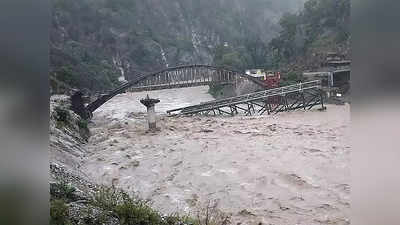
x=185, y=74
x=189, y=76
x=262, y=95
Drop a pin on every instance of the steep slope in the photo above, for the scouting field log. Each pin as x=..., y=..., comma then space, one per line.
x=94, y=43
x=306, y=37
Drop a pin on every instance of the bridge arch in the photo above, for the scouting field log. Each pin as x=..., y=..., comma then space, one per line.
x=175, y=77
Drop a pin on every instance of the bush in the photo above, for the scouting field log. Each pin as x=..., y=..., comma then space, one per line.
x=62, y=117
x=58, y=213
x=83, y=124
x=90, y=218
x=180, y=220
x=210, y=215
x=128, y=210
x=62, y=191
x=84, y=129
x=109, y=198
x=133, y=213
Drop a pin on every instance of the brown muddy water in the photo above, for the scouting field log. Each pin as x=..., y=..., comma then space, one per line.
x=290, y=168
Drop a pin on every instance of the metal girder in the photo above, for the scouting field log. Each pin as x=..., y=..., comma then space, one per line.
x=177, y=77
x=292, y=97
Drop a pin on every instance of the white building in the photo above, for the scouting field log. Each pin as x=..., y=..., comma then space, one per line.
x=259, y=73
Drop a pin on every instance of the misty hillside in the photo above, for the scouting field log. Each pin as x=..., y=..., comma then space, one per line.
x=93, y=42
x=305, y=38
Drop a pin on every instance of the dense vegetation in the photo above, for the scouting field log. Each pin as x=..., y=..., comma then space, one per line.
x=304, y=40
x=322, y=26
x=109, y=205
x=92, y=41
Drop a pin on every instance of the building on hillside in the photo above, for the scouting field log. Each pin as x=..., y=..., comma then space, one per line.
x=336, y=60
x=334, y=56
x=258, y=73
x=271, y=79
x=334, y=76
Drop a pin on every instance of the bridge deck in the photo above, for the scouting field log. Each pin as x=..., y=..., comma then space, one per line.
x=302, y=95
x=175, y=77
x=176, y=85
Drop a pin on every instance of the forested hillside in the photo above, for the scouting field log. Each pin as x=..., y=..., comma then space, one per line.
x=94, y=42
x=322, y=26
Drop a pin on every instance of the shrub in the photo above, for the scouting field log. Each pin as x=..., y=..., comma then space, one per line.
x=94, y=219
x=128, y=210
x=62, y=191
x=83, y=124
x=58, y=213
x=83, y=129
x=133, y=213
x=210, y=215
x=179, y=220
x=109, y=198
x=62, y=117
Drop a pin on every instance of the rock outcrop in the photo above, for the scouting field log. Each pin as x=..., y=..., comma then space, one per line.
x=71, y=191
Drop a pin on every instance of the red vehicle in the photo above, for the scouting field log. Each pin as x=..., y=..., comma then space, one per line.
x=272, y=79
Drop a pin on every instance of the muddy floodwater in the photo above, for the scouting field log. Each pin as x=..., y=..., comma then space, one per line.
x=290, y=168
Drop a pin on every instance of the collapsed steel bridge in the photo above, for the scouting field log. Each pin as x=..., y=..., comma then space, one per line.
x=298, y=96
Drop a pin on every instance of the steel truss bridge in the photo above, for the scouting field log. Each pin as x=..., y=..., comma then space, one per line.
x=299, y=96
x=176, y=77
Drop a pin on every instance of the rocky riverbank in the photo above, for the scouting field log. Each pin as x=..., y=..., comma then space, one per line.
x=74, y=197
x=290, y=168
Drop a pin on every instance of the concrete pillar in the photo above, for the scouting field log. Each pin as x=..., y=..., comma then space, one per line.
x=151, y=117
x=78, y=105
x=151, y=112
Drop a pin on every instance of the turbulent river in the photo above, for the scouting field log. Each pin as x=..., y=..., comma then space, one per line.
x=289, y=168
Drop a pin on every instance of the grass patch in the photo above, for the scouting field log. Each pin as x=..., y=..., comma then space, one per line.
x=109, y=198
x=131, y=211
x=136, y=212
x=128, y=210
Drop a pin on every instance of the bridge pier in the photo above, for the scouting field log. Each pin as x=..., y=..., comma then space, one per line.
x=78, y=106
x=151, y=112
